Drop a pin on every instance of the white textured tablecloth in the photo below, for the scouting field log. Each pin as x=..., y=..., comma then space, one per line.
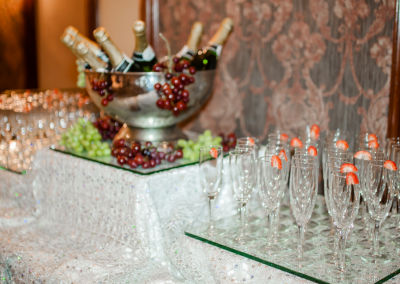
x=75, y=221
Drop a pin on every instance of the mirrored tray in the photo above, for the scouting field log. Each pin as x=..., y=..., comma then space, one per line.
x=112, y=162
x=321, y=268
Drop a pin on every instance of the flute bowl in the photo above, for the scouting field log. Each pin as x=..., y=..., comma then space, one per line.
x=135, y=100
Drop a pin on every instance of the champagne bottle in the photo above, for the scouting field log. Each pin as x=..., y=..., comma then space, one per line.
x=208, y=58
x=191, y=46
x=119, y=61
x=93, y=47
x=82, y=49
x=143, y=56
x=70, y=42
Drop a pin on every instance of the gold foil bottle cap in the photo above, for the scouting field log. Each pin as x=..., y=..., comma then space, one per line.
x=195, y=36
x=100, y=34
x=71, y=30
x=223, y=32
x=67, y=39
x=83, y=51
x=139, y=29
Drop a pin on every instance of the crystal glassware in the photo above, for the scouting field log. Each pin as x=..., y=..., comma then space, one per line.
x=344, y=202
x=210, y=172
x=380, y=191
x=242, y=170
x=303, y=193
x=270, y=182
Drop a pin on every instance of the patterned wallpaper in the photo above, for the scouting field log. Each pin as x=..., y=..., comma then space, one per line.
x=12, y=71
x=289, y=63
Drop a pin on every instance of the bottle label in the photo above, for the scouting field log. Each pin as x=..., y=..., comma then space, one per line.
x=102, y=56
x=148, y=54
x=124, y=65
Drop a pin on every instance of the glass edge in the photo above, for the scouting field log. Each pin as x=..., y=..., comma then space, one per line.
x=271, y=264
x=391, y=275
x=123, y=168
x=9, y=170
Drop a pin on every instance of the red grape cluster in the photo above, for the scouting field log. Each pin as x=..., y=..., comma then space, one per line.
x=146, y=155
x=107, y=127
x=173, y=95
x=228, y=142
x=104, y=89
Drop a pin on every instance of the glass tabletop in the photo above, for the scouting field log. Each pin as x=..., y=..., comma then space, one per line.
x=319, y=265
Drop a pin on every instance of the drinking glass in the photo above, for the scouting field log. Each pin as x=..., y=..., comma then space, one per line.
x=389, y=143
x=210, y=171
x=242, y=169
x=250, y=141
x=345, y=201
x=270, y=180
x=380, y=191
x=303, y=193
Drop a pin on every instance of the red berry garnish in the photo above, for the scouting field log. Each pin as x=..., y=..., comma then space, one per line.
x=122, y=160
x=191, y=80
x=168, y=76
x=192, y=70
x=175, y=111
x=105, y=125
x=185, y=64
x=139, y=159
x=178, y=68
x=104, y=102
x=175, y=91
x=167, y=91
x=171, y=97
x=101, y=93
x=181, y=105
x=157, y=67
x=161, y=155
x=157, y=86
x=179, y=154
x=136, y=147
x=119, y=143
x=148, y=144
x=110, y=97
x=225, y=148
x=171, y=158
x=123, y=151
x=176, y=59
x=145, y=165
x=114, y=152
x=185, y=94
x=175, y=81
x=184, y=79
x=152, y=163
x=167, y=104
x=160, y=103
x=180, y=86
x=185, y=100
x=132, y=163
x=158, y=161
x=231, y=137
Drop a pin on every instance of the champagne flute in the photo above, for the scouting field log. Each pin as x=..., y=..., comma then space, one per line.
x=210, y=171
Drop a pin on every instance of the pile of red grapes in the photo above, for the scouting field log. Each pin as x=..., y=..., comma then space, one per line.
x=145, y=155
x=173, y=95
x=107, y=127
x=104, y=89
x=228, y=142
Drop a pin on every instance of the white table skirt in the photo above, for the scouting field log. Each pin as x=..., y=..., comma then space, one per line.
x=74, y=221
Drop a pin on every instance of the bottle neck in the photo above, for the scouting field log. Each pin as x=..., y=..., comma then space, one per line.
x=147, y=55
x=186, y=52
x=141, y=42
x=125, y=64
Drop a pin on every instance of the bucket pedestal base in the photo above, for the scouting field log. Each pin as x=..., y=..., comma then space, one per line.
x=170, y=134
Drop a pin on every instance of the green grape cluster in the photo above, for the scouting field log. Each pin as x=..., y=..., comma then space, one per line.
x=83, y=136
x=191, y=149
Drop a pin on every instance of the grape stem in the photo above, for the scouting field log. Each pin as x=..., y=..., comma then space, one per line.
x=169, y=52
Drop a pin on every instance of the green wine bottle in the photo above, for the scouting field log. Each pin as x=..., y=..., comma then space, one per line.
x=207, y=59
x=144, y=57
